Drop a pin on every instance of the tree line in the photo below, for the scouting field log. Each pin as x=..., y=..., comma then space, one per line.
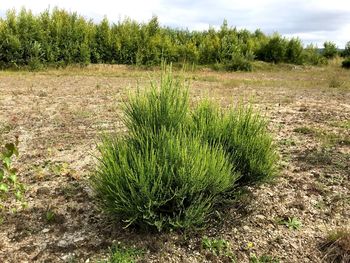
x=58, y=37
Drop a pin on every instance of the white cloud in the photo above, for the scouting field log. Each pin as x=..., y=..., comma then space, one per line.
x=313, y=21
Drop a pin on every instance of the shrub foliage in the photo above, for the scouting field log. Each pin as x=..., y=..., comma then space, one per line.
x=346, y=63
x=175, y=165
x=57, y=37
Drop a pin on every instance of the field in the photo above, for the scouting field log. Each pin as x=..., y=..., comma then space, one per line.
x=59, y=114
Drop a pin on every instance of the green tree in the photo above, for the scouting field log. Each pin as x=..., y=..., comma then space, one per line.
x=294, y=51
x=346, y=52
x=329, y=50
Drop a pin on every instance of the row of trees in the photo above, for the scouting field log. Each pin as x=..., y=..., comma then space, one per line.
x=59, y=37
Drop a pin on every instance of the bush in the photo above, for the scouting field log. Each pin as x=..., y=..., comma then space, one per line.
x=274, y=51
x=329, y=50
x=294, y=51
x=238, y=62
x=162, y=180
x=346, y=51
x=163, y=107
x=311, y=56
x=346, y=63
x=244, y=137
x=173, y=166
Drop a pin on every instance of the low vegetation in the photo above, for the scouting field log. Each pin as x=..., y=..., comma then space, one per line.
x=175, y=165
x=346, y=63
x=10, y=186
x=336, y=248
x=58, y=38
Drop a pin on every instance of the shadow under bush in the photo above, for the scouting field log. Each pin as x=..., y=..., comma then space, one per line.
x=175, y=165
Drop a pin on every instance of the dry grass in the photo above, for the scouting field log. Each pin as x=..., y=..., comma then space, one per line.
x=337, y=246
x=59, y=115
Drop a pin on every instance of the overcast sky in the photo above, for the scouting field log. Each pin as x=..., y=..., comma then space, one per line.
x=314, y=21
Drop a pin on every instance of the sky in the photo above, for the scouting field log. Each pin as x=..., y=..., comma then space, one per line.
x=313, y=21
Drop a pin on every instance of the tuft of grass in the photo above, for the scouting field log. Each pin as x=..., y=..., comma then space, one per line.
x=164, y=106
x=244, y=137
x=50, y=216
x=291, y=222
x=336, y=247
x=218, y=247
x=164, y=180
x=122, y=254
x=174, y=166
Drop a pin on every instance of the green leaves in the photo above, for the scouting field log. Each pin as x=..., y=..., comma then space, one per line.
x=4, y=187
x=9, y=183
x=61, y=37
x=174, y=166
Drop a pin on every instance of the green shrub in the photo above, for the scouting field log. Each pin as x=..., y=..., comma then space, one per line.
x=274, y=50
x=163, y=180
x=346, y=63
x=329, y=50
x=243, y=135
x=312, y=56
x=346, y=51
x=173, y=166
x=238, y=63
x=58, y=37
x=294, y=51
x=159, y=175
x=122, y=254
x=9, y=183
x=165, y=106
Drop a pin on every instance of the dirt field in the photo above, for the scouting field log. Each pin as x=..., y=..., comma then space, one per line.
x=58, y=115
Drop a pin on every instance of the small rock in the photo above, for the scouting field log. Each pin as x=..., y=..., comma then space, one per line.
x=78, y=239
x=246, y=228
x=45, y=230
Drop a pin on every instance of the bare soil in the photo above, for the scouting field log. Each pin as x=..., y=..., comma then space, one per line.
x=59, y=114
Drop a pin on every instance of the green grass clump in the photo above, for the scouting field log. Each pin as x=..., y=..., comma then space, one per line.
x=174, y=166
x=244, y=137
x=162, y=180
x=122, y=254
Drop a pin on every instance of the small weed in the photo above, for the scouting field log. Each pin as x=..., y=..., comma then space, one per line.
x=10, y=186
x=218, y=247
x=50, y=216
x=121, y=254
x=60, y=168
x=291, y=223
x=263, y=259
